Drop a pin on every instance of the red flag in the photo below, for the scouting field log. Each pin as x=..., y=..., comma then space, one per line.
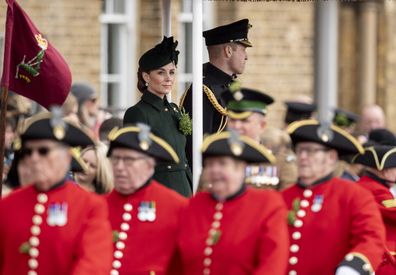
x=32, y=66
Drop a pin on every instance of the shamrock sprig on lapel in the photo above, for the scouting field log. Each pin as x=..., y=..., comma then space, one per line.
x=185, y=123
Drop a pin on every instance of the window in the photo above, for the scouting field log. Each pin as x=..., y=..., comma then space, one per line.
x=118, y=60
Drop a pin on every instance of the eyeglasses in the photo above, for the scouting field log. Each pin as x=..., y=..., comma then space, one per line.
x=309, y=151
x=128, y=161
x=42, y=151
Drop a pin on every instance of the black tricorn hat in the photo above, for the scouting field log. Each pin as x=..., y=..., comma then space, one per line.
x=77, y=164
x=161, y=55
x=240, y=147
x=52, y=126
x=343, y=118
x=241, y=103
x=234, y=32
x=379, y=157
x=298, y=111
x=332, y=137
x=139, y=137
x=381, y=136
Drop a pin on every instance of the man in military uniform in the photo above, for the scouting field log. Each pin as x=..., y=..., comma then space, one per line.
x=144, y=214
x=379, y=178
x=227, y=58
x=334, y=225
x=53, y=226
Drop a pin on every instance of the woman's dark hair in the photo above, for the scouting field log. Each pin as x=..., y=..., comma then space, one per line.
x=141, y=84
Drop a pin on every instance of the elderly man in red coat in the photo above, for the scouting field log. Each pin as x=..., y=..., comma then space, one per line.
x=144, y=214
x=53, y=226
x=334, y=225
x=379, y=178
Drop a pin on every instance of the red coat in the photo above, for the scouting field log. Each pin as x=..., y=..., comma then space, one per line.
x=145, y=242
x=66, y=228
x=333, y=218
x=387, y=205
x=244, y=235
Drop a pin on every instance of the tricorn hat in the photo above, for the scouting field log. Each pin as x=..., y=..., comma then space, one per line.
x=230, y=143
x=234, y=32
x=381, y=136
x=52, y=126
x=161, y=55
x=331, y=136
x=379, y=157
x=139, y=137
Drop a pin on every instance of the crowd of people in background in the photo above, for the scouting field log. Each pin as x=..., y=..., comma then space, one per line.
x=94, y=193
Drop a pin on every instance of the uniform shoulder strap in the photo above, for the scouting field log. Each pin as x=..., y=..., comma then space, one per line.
x=213, y=100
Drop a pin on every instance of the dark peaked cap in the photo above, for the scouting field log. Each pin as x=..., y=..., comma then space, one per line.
x=298, y=111
x=47, y=126
x=140, y=138
x=161, y=55
x=343, y=118
x=241, y=103
x=237, y=146
x=234, y=32
x=308, y=131
x=379, y=157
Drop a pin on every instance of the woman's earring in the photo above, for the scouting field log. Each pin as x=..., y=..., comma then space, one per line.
x=146, y=84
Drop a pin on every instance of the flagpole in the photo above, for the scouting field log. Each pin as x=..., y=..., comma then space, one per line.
x=3, y=111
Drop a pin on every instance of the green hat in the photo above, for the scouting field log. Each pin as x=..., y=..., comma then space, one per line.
x=231, y=144
x=52, y=126
x=379, y=157
x=241, y=103
x=332, y=137
x=343, y=118
x=234, y=32
x=161, y=55
x=139, y=137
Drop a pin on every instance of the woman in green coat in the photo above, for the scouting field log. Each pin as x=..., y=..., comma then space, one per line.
x=156, y=74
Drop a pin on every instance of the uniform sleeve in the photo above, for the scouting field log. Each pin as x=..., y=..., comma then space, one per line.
x=134, y=115
x=94, y=252
x=367, y=233
x=274, y=240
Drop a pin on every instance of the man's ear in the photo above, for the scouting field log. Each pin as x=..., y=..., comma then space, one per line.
x=228, y=51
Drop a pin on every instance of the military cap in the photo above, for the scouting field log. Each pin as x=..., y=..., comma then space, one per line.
x=343, y=118
x=161, y=55
x=379, y=157
x=52, y=126
x=230, y=143
x=332, y=137
x=139, y=137
x=241, y=103
x=234, y=32
x=381, y=136
x=298, y=111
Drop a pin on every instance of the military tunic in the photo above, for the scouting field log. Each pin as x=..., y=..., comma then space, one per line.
x=163, y=118
x=146, y=223
x=62, y=231
x=213, y=120
x=387, y=205
x=246, y=234
x=331, y=220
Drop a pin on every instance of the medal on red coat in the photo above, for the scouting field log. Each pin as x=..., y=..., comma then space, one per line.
x=147, y=211
x=57, y=214
x=317, y=203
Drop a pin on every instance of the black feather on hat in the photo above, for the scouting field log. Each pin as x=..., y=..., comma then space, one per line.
x=231, y=144
x=379, y=157
x=333, y=137
x=140, y=138
x=161, y=55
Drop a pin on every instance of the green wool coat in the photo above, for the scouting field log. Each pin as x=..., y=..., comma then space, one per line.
x=163, y=118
